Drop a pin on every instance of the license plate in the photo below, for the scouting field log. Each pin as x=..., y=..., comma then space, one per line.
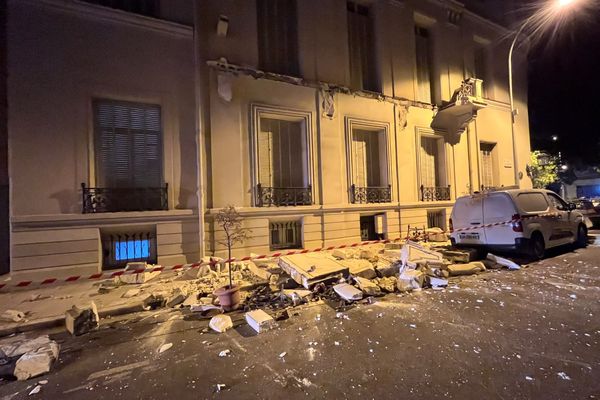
x=469, y=236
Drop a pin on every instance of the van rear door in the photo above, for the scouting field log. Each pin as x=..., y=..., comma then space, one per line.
x=467, y=215
x=498, y=208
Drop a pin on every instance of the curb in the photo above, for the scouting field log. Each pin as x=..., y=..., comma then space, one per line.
x=51, y=322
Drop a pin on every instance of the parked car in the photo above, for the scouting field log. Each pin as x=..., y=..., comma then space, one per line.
x=522, y=220
x=587, y=208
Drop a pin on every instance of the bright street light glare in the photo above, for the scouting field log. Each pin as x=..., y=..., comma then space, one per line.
x=565, y=3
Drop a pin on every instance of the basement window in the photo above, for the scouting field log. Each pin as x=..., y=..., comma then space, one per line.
x=285, y=235
x=436, y=219
x=121, y=247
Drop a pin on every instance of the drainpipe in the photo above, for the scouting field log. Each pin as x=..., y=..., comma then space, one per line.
x=200, y=129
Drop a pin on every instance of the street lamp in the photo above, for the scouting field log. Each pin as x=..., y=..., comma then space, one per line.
x=555, y=7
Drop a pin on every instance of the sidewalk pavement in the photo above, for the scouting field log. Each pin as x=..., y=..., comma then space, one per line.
x=45, y=306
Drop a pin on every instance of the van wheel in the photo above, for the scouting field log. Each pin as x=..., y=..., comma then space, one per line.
x=538, y=247
x=581, y=237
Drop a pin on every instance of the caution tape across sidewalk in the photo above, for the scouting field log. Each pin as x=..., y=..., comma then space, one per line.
x=179, y=267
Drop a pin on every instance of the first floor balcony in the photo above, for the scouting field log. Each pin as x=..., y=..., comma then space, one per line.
x=116, y=199
x=435, y=193
x=267, y=196
x=370, y=194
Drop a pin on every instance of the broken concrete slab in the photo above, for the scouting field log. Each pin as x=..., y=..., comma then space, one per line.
x=503, y=261
x=463, y=255
x=436, y=235
x=466, y=269
x=261, y=273
x=359, y=267
x=12, y=316
x=312, y=268
x=133, y=279
x=368, y=288
x=220, y=323
x=79, y=321
x=348, y=292
x=20, y=345
x=131, y=293
x=413, y=253
x=436, y=282
x=36, y=362
x=367, y=254
x=345, y=254
x=136, y=266
x=260, y=321
x=177, y=297
x=393, y=246
x=410, y=279
x=387, y=284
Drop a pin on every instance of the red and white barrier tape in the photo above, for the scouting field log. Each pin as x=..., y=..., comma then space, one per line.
x=105, y=275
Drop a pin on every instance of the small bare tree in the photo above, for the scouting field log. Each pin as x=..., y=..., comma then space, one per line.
x=231, y=222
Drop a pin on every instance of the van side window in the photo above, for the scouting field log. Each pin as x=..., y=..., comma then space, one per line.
x=532, y=202
x=557, y=202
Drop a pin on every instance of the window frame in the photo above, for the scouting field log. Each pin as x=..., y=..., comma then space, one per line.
x=429, y=133
x=258, y=111
x=495, y=163
x=92, y=160
x=352, y=123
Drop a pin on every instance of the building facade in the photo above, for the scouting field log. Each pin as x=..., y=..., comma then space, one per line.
x=132, y=123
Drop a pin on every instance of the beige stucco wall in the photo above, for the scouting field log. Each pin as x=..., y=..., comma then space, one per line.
x=61, y=55
x=323, y=56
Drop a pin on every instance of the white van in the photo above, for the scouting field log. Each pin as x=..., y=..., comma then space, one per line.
x=523, y=220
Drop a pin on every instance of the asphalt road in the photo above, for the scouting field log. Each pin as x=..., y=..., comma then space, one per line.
x=527, y=334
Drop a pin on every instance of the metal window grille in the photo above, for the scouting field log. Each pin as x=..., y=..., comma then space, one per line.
x=285, y=235
x=487, y=164
x=120, y=248
x=436, y=219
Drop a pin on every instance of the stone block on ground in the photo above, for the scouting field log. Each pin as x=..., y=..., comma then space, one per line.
x=466, y=269
x=12, y=316
x=367, y=254
x=368, y=288
x=436, y=282
x=393, y=246
x=504, y=262
x=359, y=267
x=15, y=347
x=386, y=269
x=177, y=297
x=387, y=284
x=346, y=253
x=220, y=323
x=131, y=293
x=410, y=279
x=260, y=321
x=257, y=271
x=348, y=292
x=463, y=255
x=79, y=321
x=133, y=279
x=312, y=268
x=436, y=235
x=36, y=362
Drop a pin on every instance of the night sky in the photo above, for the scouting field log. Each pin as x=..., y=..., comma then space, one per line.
x=564, y=88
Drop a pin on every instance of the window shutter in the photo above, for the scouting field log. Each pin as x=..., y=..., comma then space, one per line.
x=128, y=138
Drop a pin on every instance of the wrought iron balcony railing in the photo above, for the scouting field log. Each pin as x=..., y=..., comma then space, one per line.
x=106, y=199
x=488, y=188
x=436, y=193
x=370, y=194
x=283, y=196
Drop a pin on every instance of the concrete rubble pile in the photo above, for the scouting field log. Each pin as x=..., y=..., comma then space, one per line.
x=26, y=358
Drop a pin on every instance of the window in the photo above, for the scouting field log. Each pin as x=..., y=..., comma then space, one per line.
x=424, y=66
x=361, y=48
x=488, y=165
x=121, y=247
x=557, y=202
x=285, y=235
x=128, y=156
x=149, y=8
x=436, y=219
x=277, y=36
x=372, y=227
x=532, y=202
x=432, y=169
x=481, y=70
x=282, y=172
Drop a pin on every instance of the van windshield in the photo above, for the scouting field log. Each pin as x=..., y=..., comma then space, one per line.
x=532, y=202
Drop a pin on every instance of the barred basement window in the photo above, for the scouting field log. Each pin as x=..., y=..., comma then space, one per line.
x=285, y=235
x=436, y=219
x=119, y=248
